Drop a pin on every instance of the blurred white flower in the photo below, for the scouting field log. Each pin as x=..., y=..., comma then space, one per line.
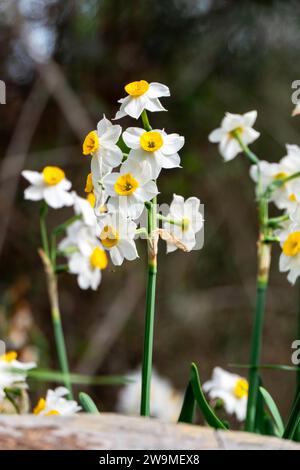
x=165, y=401
x=289, y=237
x=56, y=404
x=116, y=234
x=102, y=145
x=84, y=208
x=224, y=135
x=50, y=185
x=142, y=95
x=231, y=389
x=156, y=147
x=130, y=188
x=13, y=372
x=189, y=221
x=88, y=266
x=79, y=237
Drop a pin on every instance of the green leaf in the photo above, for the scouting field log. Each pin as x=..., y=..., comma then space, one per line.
x=56, y=376
x=87, y=403
x=294, y=420
x=207, y=411
x=188, y=406
x=267, y=366
x=271, y=405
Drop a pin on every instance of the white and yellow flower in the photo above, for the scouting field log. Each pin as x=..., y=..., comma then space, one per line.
x=231, y=389
x=130, y=188
x=13, y=373
x=186, y=221
x=166, y=402
x=102, y=145
x=229, y=147
x=50, y=185
x=142, y=95
x=84, y=208
x=56, y=404
x=79, y=237
x=289, y=260
x=88, y=265
x=156, y=147
x=116, y=234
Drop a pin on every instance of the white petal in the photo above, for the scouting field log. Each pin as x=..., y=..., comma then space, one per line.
x=249, y=135
x=128, y=249
x=216, y=135
x=112, y=156
x=34, y=193
x=172, y=143
x=103, y=125
x=146, y=192
x=250, y=118
x=229, y=148
x=132, y=136
x=116, y=256
x=154, y=105
x=111, y=135
x=157, y=90
x=171, y=161
x=177, y=207
x=135, y=107
x=34, y=177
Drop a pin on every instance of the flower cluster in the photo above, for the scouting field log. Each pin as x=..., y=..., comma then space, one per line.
x=118, y=188
x=278, y=183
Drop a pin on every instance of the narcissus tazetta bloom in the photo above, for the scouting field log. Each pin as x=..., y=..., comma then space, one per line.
x=56, y=404
x=50, y=185
x=116, y=234
x=156, y=147
x=79, y=237
x=88, y=264
x=289, y=260
x=13, y=372
x=101, y=144
x=224, y=135
x=165, y=402
x=142, y=95
x=130, y=188
x=188, y=221
x=231, y=389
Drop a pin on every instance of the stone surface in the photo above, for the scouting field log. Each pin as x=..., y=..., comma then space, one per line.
x=111, y=431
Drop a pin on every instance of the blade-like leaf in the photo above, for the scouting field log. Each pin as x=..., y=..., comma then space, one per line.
x=56, y=376
x=208, y=413
x=188, y=406
x=88, y=403
x=294, y=420
x=273, y=410
x=267, y=366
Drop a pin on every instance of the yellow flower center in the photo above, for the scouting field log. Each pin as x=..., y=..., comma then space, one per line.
x=280, y=176
x=41, y=405
x=291, y=246
x=126, y=185
x=185, y=224
x=52, y=412
x=98, y=258
x=237, y=130
x=241, y=388
x=109, y=236
x=137, y=88
x=10, y=356
x=151, y=141
x=292, y=197
x=91, y=143
x=53, y=175
x=91, y=198
x=89, y=187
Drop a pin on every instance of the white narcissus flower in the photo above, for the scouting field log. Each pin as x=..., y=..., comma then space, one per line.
x=188, y=221
x=165, y=403
x=84, y=208
x=116, y=234
x=102, y=145
x=224, y=135
x=13, y=372
x=79, y=237
x=156, y=147
x=142, y=95
x=231, y=389
x=88, y=266
x=56, y=404
x=50, y=185
x=289, y=237
x=130, y=188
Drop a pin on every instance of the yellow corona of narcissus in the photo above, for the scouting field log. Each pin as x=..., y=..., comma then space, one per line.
x=126, y=185
x=289, y=260
x=53, y=175
x=98, y=258
x=141, y=96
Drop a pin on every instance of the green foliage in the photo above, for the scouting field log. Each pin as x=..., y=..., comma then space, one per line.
x=87, y=403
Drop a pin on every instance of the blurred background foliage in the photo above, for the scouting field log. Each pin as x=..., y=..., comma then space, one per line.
x=65, y=63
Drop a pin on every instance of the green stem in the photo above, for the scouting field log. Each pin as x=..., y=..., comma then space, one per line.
x=163, y=218
x=43, y=227
x=249, y=154
x=275, y=221
x=141, y=231
x=145, y=120
x=56, y=320
x=150, y=312
x=298, y=327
